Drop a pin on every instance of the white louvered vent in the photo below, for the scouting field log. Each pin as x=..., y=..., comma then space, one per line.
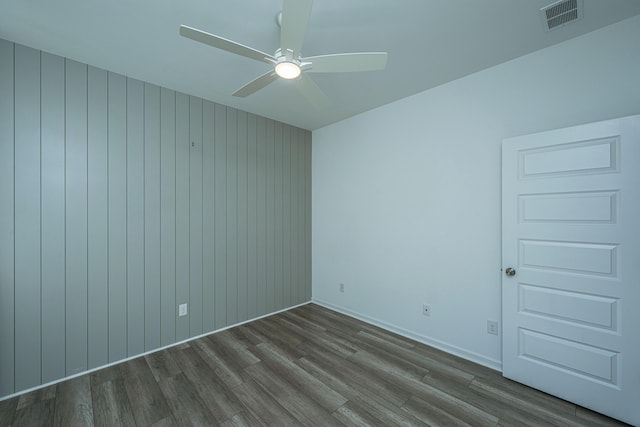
x=560, y=13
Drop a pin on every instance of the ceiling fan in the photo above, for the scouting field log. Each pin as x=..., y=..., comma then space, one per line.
x=287, y=61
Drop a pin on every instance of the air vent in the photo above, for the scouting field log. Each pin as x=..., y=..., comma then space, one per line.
x=561, y=13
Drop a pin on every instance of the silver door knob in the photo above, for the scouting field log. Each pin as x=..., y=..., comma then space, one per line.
x=510, y=272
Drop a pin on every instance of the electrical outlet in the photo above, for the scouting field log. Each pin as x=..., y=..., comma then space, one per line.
x=182, y=310
x=426, y=310
x=492, y=327
x=341, y=287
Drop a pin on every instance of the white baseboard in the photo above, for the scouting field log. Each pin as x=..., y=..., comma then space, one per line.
x=440, y=345
x=457, y=351
x=145, y=353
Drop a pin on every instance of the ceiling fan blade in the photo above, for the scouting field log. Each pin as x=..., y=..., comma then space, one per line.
x=224, y=44
x=255, y=85
x=310, y=90
x=295, y=20
x=347, y=62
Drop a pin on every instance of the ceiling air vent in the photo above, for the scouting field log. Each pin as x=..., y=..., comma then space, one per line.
x=560, y=13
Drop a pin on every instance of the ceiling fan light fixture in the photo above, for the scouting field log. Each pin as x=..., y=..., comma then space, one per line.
x=288, y=70
x=287, y=62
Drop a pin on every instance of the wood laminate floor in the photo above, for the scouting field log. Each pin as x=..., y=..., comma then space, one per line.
x=308, y=366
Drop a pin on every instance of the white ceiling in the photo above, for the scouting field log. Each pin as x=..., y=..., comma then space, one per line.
x=429, y=42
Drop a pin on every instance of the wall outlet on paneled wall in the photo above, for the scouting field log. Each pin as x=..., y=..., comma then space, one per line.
x=182, y=310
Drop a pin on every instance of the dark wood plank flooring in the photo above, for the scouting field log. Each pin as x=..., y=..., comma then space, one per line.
x=308, y=366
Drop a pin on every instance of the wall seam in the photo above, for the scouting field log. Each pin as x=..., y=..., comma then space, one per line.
x=14, y=214
x=160, y=210
x=65, y=216
x=108, y=228
x=40, y=211
x=190, y=150
x=175, y=216
x=126, y=214
x=87, y=213
x=144, y=216
x=202, y=327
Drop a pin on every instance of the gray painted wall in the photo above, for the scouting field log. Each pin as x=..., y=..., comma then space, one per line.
x=120, y=200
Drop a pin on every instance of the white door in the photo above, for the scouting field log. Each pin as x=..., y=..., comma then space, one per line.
x=571, y=234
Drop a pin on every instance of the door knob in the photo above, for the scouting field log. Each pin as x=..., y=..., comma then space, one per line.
x=510, y=271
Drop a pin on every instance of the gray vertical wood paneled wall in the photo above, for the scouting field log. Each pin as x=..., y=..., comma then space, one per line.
x=120, y=200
